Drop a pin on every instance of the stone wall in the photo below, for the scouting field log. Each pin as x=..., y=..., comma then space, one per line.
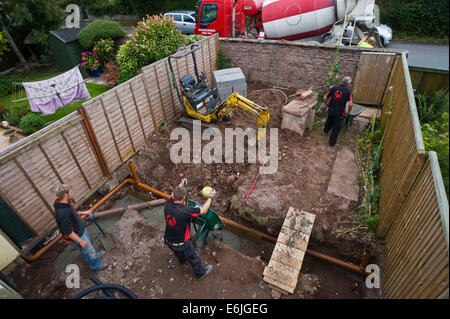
x=295, y=64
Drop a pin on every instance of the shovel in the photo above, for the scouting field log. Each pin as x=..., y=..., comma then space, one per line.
x=107, y=240
x=254, y=182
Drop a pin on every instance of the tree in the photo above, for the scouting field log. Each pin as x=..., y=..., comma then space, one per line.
x=43, y=15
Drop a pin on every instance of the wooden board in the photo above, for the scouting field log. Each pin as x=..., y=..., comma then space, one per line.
x=287, y=257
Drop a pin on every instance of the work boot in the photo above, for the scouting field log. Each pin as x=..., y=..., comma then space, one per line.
x=103, y=267
x=207, y=271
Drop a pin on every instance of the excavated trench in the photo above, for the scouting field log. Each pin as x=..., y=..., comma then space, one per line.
x=143, y=264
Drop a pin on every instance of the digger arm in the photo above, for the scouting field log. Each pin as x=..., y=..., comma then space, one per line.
x=236, y=100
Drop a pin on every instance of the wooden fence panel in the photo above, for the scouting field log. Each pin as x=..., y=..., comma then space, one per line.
x=83, y=153
x=143, y=105
x=401, y=160
x=23, y=198
x=425, y=81
x=31, y=168
x=372, y=77
x=103, y=135
x=151, y=84
x=416, y=255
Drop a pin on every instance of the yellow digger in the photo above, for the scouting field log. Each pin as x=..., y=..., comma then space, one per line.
x=203, y=103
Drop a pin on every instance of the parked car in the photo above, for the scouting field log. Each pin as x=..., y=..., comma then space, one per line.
x=384, y=31
x=184, y=19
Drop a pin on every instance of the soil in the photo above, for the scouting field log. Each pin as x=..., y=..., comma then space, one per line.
x=142, y=263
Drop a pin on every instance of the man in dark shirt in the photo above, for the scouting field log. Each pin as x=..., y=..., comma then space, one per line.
x=73, y=228
x=337, y=98
x=177, y=235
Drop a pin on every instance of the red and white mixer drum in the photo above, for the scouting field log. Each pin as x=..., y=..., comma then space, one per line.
x=297, y=19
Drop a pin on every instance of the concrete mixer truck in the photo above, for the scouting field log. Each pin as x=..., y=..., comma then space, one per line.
x=292, y=19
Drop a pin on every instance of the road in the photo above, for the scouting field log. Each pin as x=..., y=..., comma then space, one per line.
x=434, y=56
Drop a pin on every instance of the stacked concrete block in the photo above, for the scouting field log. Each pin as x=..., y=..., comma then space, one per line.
x=298, y=115
x=229, y=81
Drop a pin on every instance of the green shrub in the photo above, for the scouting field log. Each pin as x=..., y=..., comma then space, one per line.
x=431, y=106
x=190, y=39
x=20, y=109
x=127, y=62
x=101, y=7
x=31, y=123
x=435, y=138
x=153, y=39
x=7, y=84
x=105, y=50
x=418, y=17
x=222, y=62
x=100, y=29
x=13, y=119
x=3, y=112
x=125, y=75
x=3, y=44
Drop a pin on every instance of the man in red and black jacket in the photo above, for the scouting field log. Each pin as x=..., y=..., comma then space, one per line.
x=177, y=235
x=337, y=98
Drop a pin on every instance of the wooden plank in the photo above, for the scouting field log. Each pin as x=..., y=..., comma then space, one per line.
x=289, y=256
x=278, y=284
x=282, y=273
x=299, y=220
x=293, y=238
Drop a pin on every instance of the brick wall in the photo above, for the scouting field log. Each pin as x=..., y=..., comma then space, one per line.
x=295, y=64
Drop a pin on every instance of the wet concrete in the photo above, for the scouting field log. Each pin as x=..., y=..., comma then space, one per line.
x=154, y=215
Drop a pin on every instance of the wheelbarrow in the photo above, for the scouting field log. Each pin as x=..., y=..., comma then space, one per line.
x=206, y=223
x=356, y=110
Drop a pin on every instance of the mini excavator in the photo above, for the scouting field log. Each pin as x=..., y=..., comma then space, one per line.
x=201, y=102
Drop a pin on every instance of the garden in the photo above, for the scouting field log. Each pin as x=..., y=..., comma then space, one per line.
x=103, y=57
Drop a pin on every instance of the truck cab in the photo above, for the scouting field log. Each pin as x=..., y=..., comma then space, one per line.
x=216, y=16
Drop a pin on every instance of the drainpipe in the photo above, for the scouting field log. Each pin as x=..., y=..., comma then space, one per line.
x=139, y=206
x=233, y=23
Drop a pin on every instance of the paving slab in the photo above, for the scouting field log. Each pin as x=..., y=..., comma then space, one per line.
x=344, y=179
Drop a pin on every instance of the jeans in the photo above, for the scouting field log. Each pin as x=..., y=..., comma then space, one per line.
x=89, y=252
x=188, y=252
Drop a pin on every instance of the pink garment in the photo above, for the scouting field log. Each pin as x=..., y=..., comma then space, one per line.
x=42, y=96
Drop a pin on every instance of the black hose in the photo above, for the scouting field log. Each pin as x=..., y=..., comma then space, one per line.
x=126, y=291
x=107, y=292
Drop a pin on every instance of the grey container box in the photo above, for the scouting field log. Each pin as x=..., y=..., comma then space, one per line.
x=229, y=81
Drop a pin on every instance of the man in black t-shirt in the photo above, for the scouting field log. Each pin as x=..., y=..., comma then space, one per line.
x=337, y=98
x=177, y=235
x=73, y=228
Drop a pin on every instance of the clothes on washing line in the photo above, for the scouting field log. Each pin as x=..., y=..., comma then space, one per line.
x=42, y=95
